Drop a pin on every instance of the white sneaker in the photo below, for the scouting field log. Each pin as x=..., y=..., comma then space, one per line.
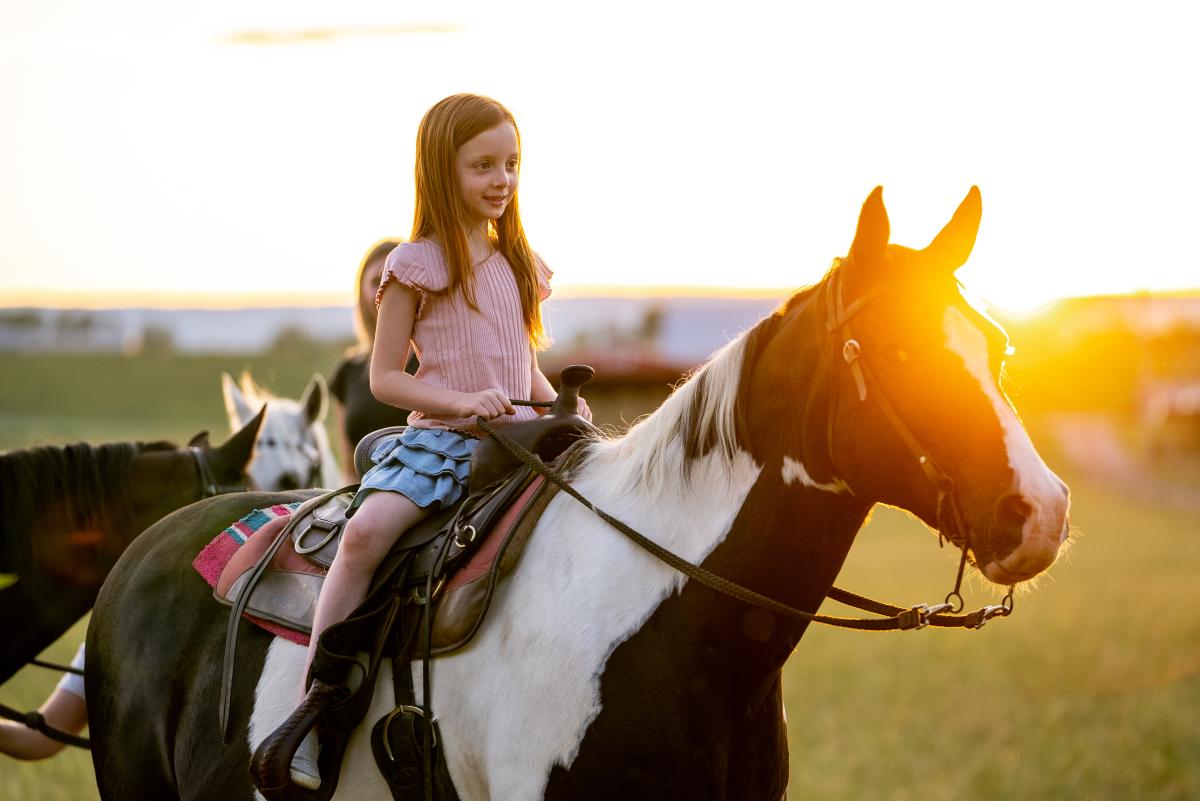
x=304, y=763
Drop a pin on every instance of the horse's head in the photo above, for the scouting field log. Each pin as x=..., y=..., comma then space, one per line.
x=909, y=409
x=293, y=450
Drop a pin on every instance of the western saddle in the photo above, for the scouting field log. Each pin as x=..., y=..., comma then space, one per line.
x=429, y=597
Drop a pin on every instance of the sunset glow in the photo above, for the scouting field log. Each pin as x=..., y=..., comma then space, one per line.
x=236, y=157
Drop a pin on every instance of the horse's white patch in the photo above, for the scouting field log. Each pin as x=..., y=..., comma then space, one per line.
x=519, y=700
x=794, y=471
x=1033, y=478
x=278, y=695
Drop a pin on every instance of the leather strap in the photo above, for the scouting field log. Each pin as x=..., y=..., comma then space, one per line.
x=239, y=604
x=37, y=722
x=914, y=617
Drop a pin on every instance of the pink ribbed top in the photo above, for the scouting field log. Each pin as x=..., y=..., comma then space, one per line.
x=460, y=348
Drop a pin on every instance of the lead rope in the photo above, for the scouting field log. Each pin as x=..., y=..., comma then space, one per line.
x=898, y=618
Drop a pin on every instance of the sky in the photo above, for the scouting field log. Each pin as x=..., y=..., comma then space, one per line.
x=240, y=153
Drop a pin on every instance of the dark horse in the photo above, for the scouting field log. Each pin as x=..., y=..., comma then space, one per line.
x=601, y=673
x=67, y=513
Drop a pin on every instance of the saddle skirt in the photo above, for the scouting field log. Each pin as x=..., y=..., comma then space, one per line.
x=284, y=597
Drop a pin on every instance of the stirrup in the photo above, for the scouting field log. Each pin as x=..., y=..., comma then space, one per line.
x=271, y=764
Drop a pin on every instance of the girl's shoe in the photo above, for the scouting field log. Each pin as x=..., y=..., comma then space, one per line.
x=304, y=763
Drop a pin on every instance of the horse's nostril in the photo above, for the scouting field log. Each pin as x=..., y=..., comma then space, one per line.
x=1013, y=510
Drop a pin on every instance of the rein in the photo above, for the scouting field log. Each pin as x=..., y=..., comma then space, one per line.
x=895, y=617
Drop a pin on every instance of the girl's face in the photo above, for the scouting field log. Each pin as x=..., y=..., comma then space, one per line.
x=487, y=169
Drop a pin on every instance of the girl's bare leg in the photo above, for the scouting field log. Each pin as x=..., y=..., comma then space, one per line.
x=366, y=540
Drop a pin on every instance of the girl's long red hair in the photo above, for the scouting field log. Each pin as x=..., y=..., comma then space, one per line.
x=440, y=214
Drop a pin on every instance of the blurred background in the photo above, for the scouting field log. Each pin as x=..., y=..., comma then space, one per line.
x=187, y=191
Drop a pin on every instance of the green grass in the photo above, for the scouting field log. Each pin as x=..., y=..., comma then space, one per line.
x=67, y=776
x=1090, y=691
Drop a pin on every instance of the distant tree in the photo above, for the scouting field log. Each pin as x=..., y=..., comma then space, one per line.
x=21, y=319
x=157, y=340
x=292, y=340
x=650, y=328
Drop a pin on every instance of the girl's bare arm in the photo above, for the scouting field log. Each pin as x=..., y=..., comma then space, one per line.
x=390, y=384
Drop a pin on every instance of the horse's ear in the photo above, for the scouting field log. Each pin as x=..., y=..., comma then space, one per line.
x=200, y=440
x=951, y=247
x=315, y=400
x=251, y=388
x=237, y=408
x=871, y=236
x=235, y=453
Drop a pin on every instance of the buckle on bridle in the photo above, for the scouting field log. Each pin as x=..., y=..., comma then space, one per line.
x=918, y=616
x=1003, y=609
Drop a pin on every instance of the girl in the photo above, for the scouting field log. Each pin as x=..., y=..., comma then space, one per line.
x=466, y=292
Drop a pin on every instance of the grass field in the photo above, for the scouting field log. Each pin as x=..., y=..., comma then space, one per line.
x=1090, y=691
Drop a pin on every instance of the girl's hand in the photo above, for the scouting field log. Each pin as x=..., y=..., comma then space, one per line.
x=489, y=404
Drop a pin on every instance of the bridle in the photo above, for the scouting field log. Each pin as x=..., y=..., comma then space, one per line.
x=949, y=516
x=944, y=615
x=209, y=486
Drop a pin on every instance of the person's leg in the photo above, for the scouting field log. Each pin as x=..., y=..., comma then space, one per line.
x=366, y=540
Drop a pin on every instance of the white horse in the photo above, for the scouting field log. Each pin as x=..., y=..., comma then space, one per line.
x=292, y=450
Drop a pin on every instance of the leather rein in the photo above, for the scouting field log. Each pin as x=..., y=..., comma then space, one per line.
x=892, y=618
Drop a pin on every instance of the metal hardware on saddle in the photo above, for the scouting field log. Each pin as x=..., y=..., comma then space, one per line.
x=547, y=436
x=406, y=743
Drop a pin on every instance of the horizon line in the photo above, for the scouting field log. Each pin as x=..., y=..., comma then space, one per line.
x=96, y=301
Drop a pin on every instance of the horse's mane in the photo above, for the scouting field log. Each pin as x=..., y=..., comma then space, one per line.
x=701, y=415
x=54, y=490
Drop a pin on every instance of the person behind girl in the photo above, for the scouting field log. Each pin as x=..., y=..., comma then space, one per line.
x=466, y=292
x=358, y=412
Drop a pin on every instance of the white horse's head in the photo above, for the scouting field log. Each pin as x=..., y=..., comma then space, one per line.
x=292, y=450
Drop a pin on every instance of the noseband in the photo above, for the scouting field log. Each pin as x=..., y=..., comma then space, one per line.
x=949, y=516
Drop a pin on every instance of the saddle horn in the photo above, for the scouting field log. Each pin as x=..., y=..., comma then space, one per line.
x=547, y=436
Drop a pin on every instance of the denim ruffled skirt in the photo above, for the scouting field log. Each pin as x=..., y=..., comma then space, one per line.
x=429, y=466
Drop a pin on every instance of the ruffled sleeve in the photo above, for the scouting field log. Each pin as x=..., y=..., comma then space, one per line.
x=405, y=266
x=544, y=275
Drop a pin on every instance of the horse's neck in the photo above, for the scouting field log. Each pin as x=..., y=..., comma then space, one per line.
x=740, y=501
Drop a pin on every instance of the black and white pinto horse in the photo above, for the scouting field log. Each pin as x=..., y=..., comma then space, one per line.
x=601, y=673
